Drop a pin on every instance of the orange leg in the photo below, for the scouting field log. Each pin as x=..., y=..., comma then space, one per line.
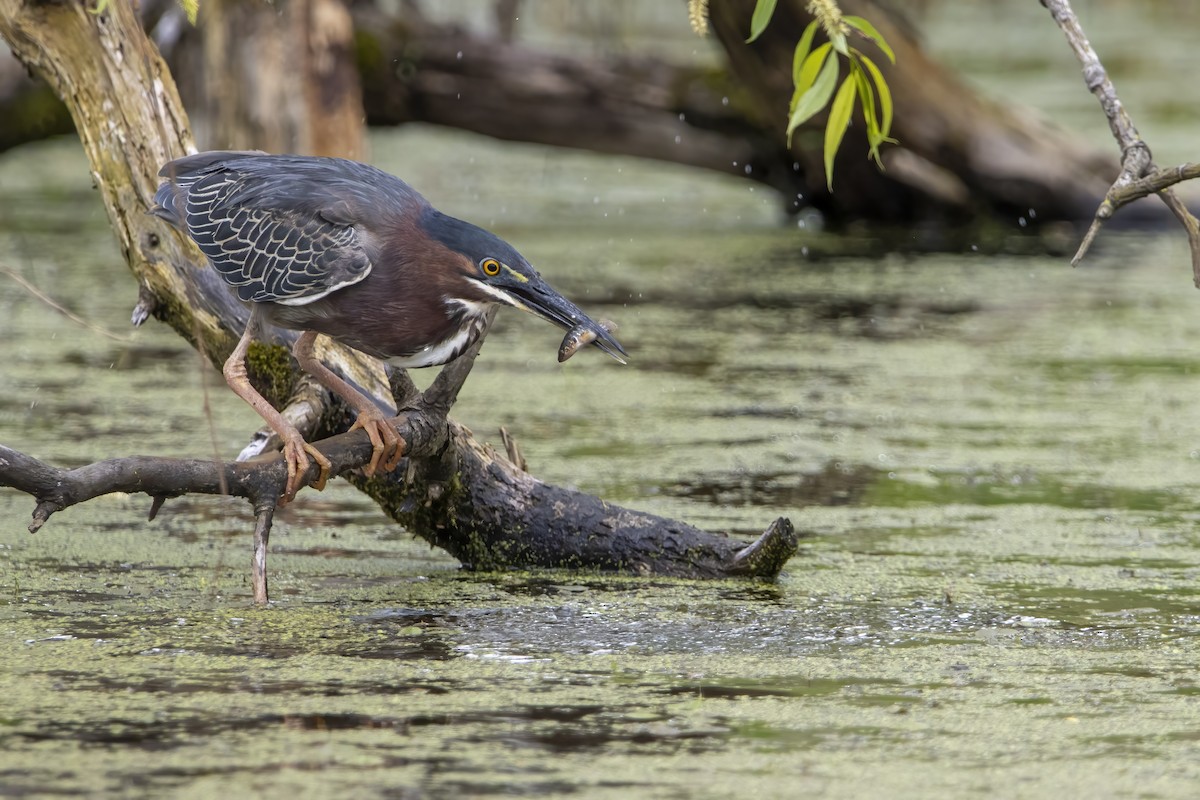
x=295, y=449
x=389, y=447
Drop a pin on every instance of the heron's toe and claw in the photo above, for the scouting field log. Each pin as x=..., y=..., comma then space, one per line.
x=388, y=446
x=296, y=454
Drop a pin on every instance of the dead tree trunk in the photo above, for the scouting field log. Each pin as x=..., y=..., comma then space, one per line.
x=281, y=78
x=452, y=491
x=416, y=71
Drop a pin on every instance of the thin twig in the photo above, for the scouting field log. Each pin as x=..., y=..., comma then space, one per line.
x=513, y=450
x=444, y=390
x=404, y=391
x=1190, y=224
x=49, y=301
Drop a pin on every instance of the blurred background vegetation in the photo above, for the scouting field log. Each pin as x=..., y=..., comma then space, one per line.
x=974, y=84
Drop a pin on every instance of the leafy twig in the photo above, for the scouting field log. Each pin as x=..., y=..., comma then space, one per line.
x=815, y=74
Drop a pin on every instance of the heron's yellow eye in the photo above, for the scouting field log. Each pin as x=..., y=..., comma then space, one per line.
x=490, y=267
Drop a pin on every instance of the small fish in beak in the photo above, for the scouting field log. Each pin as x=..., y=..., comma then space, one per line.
x=581, y=336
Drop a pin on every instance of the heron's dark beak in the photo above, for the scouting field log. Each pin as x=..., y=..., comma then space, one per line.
x=539, y=299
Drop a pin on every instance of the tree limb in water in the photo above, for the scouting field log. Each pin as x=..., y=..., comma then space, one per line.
x=466, y=499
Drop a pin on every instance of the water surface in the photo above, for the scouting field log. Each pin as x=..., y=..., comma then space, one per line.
x=995, y=455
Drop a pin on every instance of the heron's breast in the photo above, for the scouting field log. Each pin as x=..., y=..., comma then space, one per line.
x=404, y=331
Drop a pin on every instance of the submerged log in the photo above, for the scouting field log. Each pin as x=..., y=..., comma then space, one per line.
x=452, y=491
x=490, y=514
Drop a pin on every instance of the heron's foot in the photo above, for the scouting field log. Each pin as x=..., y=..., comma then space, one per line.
x=296, y=452
x=387, y=444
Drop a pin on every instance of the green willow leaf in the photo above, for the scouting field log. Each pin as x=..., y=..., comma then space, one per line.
x=812, y=67
x=815, y=98
x=866, y=99
x=872, y=33
x=885, y=98
x=762, y=15
x=835, y=129
x=191, y=8
x=802, y=48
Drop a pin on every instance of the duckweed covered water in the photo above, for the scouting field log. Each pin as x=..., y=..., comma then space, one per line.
x=995, y=456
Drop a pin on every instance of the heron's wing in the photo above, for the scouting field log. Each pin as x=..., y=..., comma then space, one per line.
x=268, y=251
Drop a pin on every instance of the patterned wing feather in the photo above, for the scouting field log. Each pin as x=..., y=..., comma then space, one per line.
x=271, y=254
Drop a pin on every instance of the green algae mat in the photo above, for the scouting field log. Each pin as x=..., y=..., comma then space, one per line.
x=995, y=459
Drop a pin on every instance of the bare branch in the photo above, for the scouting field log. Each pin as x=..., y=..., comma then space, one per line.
x=261, y=481
x=450, y=490
x=258, y=566
x=1137, y=166
x=1094, y=74
x=444, y=390
x=1190, y=224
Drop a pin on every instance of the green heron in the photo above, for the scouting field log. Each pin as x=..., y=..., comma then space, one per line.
x=325, y=245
